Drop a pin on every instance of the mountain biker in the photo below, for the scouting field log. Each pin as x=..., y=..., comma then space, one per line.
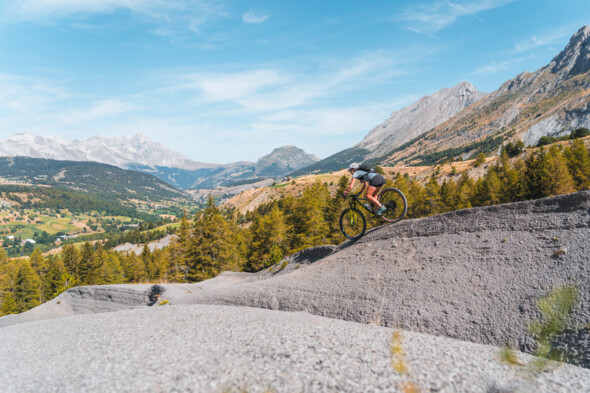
x=373, y=180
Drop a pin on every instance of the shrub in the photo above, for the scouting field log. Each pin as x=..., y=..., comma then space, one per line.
x=481, y=158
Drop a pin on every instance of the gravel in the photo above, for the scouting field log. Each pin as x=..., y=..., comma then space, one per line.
x=201, y=348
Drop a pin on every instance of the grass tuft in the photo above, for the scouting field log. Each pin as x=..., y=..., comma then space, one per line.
x=508, y=355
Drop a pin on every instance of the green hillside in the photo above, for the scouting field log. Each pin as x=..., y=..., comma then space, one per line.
x=90, y=177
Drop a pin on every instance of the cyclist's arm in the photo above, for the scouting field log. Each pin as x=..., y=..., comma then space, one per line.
x=350, y=186
x=363, y=187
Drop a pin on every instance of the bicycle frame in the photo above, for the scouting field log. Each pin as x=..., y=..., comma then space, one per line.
x=356, y=200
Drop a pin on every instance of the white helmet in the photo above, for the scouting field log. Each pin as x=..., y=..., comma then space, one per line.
x=352, y=166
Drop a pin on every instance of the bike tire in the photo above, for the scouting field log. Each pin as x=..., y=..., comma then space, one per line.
x=396, y=203
x=353, y=223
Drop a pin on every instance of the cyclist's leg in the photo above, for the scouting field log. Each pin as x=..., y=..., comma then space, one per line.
x=372, y=195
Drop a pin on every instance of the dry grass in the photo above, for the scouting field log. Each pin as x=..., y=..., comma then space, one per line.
x=398, y=354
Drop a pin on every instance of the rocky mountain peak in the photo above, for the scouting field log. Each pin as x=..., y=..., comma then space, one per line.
x=575, y=58
x=416, y=119
x=283, y=160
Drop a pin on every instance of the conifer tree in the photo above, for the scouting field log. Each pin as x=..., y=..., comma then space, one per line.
x=556, y=177
x=3, y=256
x=26, y=287
x=309, y=223
x=71, y=260
x=432, y=196
x=489, y=188
x=178, y=251
x=89, y=265
x=148, y=263
x=578, y=162
x=161, y=264
x=37, y=261
x=466, y=191
x=112, y=271
x=449, y=195
x=213, y=247
x=8, y=304
x=270, y=241
x=55, y=280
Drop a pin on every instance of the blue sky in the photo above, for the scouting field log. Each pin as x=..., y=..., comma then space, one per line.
x=223, y=81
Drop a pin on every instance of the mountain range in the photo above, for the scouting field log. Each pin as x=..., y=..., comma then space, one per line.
x=550, y=101
x=139, y=153
x=461, y=122
x=402, y=126
x=453, y=123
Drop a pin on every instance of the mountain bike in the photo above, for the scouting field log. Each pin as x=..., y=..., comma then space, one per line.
x=353, y=223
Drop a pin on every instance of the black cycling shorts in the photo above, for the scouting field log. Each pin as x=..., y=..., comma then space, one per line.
x=377, y=181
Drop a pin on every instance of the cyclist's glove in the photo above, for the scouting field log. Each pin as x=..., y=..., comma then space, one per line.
x=345, y=194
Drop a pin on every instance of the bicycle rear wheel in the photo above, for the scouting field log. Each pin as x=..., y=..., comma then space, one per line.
x=353, y=223
x=395, y=202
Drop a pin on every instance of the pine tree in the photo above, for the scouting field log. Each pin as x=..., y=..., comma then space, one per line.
x=161, y=264
x=8, y=304
x=578, y=162
x=38, y=262
x=112, y=271
x=466, y=191
x=308, y=220
x=89, y=265
x=556, y=177
x=490, y=188
x=26, y=288
x=213, y=247
x=270, y=240
x=432, y=196
x=55, y=280
x=178, y=251
x=3, y=257
x=71, y=260
x=148, y=263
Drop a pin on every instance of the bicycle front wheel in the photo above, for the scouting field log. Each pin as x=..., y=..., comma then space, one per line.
x=353, y=223
x=395, y=202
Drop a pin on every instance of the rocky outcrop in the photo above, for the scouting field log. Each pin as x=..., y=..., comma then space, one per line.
x=474, y=275
x=575, y=58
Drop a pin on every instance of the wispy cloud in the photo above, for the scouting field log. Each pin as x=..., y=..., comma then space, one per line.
x=277, y=88
x=547, y=38
x=253, y=17
x=24, y=95
x=226, y=86
x=432, y=17
x=190, y=14
x=264, y=106
x=493, y=68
